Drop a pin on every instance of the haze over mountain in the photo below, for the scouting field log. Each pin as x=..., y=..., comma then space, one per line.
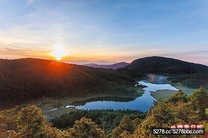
x=111, y=66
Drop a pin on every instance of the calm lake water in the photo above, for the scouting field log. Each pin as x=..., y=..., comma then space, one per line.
x=142, y=103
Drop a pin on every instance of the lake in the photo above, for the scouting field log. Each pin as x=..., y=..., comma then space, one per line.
x=142, y=103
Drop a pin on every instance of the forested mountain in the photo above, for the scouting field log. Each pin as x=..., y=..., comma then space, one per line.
x=181, y=72
x=112, y=66
x=165, y=65
x=26, y=79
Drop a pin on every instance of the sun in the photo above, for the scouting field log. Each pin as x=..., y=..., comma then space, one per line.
x=58, y=52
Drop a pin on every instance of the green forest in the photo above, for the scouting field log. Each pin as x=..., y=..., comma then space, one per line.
x=29, y=122
x=23, y=80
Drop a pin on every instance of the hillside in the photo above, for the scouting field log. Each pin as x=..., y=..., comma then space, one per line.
x=180, y=72
x=191, y=80
x=27, y=79
x=111, y=66
x=166, y=65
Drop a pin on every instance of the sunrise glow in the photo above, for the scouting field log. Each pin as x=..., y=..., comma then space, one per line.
x=58, y=52
x=104, y=32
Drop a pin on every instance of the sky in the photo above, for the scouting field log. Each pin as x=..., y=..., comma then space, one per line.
x=104, y=31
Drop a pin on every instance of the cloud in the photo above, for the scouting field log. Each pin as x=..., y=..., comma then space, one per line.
x=29, y=2
x=196, y=56
x=83, y=61
x=14, y=48
x=188, y=53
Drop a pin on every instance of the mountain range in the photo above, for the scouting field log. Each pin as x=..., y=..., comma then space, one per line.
x=23, y=80
x=111, y=66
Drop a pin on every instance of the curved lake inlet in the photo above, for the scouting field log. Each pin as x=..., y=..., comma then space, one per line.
x=142, y=103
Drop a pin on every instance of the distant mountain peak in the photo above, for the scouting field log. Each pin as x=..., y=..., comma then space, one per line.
x=111, y=66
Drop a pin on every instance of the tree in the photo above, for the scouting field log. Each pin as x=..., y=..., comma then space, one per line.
x=8, y=134
x=86, y=128
x=206, y=111
x=136, y=122
x=51, y=132
x=160, y=116
x=125, y=134
x=180, y=96
x=200, y=102
x=125, y=125
x=30, y=122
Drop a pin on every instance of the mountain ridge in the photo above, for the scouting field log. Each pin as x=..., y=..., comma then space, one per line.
x=110, y=66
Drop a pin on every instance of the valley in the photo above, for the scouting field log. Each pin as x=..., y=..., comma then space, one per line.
x=59, y=87
x=103, y=69
x=67, y=93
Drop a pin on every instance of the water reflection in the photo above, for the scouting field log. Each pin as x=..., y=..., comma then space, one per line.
x=107, y=98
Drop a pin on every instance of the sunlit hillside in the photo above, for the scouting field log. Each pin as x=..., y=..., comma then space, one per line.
x=28, y=79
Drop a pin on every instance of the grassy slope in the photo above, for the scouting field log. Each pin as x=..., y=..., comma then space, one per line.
x=163, y=95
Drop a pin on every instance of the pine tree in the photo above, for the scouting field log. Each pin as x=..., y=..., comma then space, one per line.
x=125, y=125
x=86, y=128
x=30, y=122
x=200, y=102
x=180, y=96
